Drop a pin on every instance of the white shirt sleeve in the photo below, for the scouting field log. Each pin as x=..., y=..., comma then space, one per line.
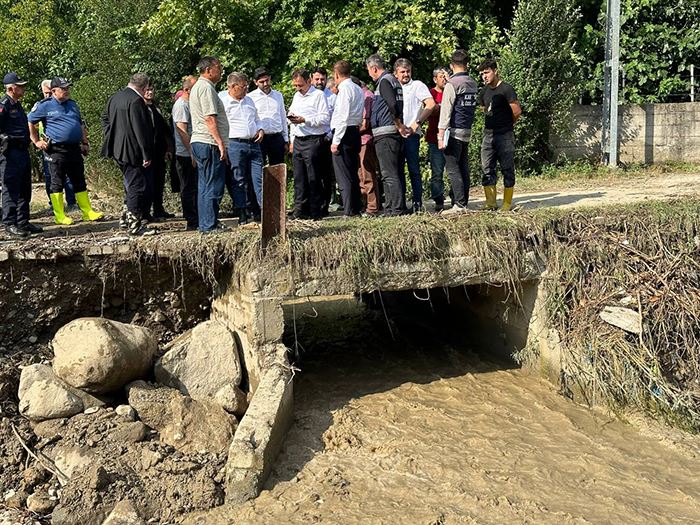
x=341, y=113
x=422, y=91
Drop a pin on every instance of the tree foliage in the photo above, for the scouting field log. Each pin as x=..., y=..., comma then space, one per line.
x=542, y=63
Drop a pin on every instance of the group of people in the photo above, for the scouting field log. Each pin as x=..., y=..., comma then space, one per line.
x=337, y=131
x=56, y=128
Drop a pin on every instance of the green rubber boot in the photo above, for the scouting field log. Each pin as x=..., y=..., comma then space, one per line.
x=84, y=205
x=507, y=199
x=58, y=213
x=490, y=204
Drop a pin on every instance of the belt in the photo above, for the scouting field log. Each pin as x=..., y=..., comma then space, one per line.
x=245, y=141
x=273, y=134
x=309, y=137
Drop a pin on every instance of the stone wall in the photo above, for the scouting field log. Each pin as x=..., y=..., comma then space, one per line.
x=647, y=134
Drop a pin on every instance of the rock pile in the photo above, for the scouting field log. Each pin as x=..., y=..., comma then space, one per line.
x=101, y=451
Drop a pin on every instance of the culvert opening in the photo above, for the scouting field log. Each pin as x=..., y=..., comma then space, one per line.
x=492, y=322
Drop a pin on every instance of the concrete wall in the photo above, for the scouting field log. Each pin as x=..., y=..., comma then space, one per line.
x=647, y=134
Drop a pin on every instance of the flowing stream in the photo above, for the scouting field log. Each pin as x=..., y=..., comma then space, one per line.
x=423, y=430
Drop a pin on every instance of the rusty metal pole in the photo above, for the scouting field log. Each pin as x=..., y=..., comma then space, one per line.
x=274, y=213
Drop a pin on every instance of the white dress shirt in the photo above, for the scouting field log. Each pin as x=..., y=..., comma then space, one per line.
x=313, y=107
x=414, y=93
x=242, y=115
x=349, y=106
x=271, y=112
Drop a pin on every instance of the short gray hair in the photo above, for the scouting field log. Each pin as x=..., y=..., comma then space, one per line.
x=403, y=62
x=206, y=63
x=439, y=70
x=375, y=61
x=140, y=80
x=236, y=78
x=45, y=84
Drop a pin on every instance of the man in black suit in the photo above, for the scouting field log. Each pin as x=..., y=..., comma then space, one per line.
x=128, y=139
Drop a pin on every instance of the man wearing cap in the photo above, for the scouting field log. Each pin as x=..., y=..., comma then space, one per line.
x=128, y=133
x=70, y=194
x=273, y=117
x=65, y=142
x=15, y=164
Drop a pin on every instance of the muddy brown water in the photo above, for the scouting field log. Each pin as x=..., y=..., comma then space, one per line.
x=427, y=431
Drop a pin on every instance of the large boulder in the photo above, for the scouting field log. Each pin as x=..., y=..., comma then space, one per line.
x=189, y=425
x=100, y=356
x=204, y=364
x=42, y=395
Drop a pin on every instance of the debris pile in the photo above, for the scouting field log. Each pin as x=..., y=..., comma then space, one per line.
x=122, y=431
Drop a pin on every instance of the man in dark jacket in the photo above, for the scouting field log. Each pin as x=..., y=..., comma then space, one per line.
x=163, y=150
x=128, y=139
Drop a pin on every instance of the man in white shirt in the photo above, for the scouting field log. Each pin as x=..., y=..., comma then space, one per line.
x=245, y=135
x=273, y=116
x=310, y=121
x=185, y=165
x=209, y=143
x=319, y=79
x=418, y=105
x=345, y=145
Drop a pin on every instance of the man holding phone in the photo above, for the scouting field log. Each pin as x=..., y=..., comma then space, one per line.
x=310, y=119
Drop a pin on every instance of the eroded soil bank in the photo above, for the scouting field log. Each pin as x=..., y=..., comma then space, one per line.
x=425, y=430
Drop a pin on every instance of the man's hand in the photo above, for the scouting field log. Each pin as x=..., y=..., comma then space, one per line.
x=291, y=147
x=296, y=119
x=194, y=161
x=441, y=144
x=259, y=136
x=42, y=145
x=334, y=149
x=146, y=163
x=223, y=154
x=405, y=131
x=85, y=149
x=415, y=126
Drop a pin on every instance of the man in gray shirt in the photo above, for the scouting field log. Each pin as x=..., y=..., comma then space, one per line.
x=209, y=142
x=185, y=163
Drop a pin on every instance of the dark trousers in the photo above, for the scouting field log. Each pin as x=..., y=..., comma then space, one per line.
x=411, y=156
x=457, y=166
x=159, y=169
x=327, y=176
x=68, y=186
x=499, y=148
x=273, y=150
x=187, y=175
x=135, y=185
x=308, y=189
x=437, y=170
x=345, y=164
x=15, y=167
x=389, y=149
x=66, y=162
x=210, y=186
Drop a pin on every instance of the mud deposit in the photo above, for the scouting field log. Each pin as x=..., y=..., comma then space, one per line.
x=426, y=431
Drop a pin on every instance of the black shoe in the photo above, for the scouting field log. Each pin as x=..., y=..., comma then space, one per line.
x=298, y=217
x=163, y=215
x=191, y=227
x=17, y=232
x=242, y=217
x=31, y=228
x=256, y=217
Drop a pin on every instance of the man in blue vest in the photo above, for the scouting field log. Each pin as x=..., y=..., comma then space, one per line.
x=455, y=128
x=388, y=129
x=64, y=142
x=15, y=165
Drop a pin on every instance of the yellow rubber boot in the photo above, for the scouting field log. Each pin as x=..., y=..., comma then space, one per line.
x=58, y=213
x=84, y=205
x=507, y=199
x=490, y=204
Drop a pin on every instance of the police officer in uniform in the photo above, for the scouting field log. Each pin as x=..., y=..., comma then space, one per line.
x=65, y=143
x=15, y=165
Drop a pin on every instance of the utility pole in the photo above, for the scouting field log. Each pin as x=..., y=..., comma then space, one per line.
x=610, y=89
